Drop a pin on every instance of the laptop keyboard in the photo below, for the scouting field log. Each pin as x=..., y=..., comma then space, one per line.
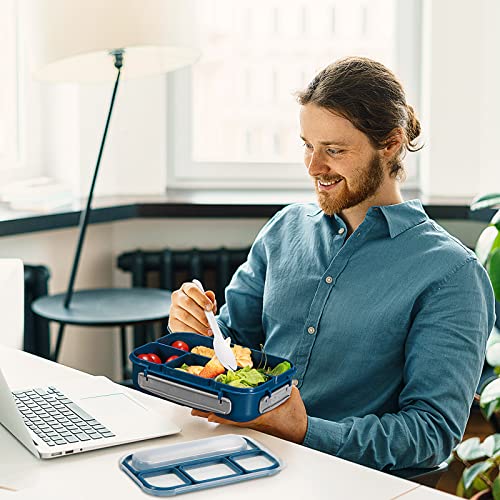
x=56, y=419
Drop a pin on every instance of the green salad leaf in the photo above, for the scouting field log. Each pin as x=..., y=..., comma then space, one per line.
x=244, y=377
x=251, y=377
x=280, y=368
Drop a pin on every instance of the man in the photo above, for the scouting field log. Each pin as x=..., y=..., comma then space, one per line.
x=384, y=314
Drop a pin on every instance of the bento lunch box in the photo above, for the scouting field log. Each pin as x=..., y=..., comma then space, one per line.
x=233, y=403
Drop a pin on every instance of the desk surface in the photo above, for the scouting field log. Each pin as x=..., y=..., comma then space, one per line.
x=93, y=475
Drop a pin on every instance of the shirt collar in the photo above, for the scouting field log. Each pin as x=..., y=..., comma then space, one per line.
x=399, y=218
x=402, y=216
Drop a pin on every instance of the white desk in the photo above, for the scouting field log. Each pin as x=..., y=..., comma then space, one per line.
x=95, y=475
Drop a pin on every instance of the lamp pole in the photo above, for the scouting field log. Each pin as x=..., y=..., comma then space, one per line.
x=85, y=215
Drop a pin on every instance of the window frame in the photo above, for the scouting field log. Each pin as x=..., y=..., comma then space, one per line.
x=184, y=173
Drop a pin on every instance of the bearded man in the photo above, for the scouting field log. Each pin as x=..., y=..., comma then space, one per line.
x=384, y=314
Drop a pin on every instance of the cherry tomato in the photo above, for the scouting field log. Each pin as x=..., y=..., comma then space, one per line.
x=154, y=358
x=145, y=357
x=179, y=344
x=171, y=359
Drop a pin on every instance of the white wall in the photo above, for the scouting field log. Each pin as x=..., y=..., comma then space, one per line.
x=134, y=159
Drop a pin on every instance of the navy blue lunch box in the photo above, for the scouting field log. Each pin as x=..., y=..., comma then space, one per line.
x=234, y=403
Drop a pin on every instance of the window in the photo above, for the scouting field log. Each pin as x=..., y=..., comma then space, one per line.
x=9, y=106
x=233, y=118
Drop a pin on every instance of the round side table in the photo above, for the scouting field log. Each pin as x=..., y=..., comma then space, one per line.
x=117, y=307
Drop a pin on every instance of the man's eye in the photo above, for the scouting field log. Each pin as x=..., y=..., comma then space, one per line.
x=307, y=146
x=333, y=152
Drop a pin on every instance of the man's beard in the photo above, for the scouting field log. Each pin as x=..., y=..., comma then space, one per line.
x=363, y=187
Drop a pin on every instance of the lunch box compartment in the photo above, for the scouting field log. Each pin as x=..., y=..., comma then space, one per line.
x=234, y=403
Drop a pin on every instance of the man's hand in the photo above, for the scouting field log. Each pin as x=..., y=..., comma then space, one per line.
x=187, y=312
x=287, y=421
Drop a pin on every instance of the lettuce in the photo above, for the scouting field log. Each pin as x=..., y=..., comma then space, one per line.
x=245, y=377
x=280, y=368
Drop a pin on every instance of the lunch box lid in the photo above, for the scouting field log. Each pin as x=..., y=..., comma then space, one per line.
x=199, y=464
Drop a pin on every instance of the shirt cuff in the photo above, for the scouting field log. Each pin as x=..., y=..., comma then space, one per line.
x=323, y=435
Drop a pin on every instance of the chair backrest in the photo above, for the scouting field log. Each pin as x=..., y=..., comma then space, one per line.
x=12, y=302
x=427, y=477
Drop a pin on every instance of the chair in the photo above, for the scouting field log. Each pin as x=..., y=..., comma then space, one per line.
x=427, y=477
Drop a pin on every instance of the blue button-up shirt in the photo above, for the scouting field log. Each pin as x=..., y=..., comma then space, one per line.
x=387, y=328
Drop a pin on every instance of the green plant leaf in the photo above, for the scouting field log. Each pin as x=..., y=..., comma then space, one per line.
x=490, y=393
x=470, y=449
x=494, y=271
x=493, y=355
x=460, y=492
x=485, y=201
x=489, y=409
x=496, y=488
x=491, y=445
x=472, y=472
x=485, y=243
x=496, y=220
x=492, y=347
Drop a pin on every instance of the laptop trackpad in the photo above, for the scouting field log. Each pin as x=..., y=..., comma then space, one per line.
x=118, y=411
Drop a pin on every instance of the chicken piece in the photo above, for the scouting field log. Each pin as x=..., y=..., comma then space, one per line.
x=212, y=369
x=203, y=351
x=243, y=356
x=195, y=370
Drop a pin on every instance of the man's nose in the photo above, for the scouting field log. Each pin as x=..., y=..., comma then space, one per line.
x=316, y=165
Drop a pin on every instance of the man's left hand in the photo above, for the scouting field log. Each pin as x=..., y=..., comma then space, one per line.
x=287, y=421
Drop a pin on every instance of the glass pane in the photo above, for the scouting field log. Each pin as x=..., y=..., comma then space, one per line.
x=257, y=54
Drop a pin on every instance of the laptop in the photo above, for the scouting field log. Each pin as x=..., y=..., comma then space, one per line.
x=74, y=414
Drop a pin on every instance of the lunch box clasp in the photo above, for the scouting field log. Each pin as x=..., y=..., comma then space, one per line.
x=274, y=399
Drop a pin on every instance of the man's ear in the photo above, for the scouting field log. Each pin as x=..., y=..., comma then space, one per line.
x=393, y=143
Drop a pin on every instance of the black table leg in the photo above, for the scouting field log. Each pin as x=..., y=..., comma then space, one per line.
x=60, y=334
x=123, y=339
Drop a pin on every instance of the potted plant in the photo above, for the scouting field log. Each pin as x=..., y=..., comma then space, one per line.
x=481, y=478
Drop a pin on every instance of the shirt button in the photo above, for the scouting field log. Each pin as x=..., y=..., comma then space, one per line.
x=328, y=279
x=311, y=330
x=341, y=230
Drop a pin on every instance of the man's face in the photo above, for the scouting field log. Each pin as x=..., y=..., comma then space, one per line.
x=344, y=165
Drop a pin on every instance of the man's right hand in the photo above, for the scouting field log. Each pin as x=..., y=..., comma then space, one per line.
x=187, y=312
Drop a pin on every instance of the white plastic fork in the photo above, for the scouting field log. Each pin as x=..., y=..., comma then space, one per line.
x=222, y=347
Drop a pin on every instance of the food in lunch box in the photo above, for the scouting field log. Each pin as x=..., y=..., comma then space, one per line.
x=244, y=378
x=212, y=369
x=242, y=354
x=171, y=358
x=179, y=344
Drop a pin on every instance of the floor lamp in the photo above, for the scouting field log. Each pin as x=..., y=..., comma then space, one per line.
x=102, y=40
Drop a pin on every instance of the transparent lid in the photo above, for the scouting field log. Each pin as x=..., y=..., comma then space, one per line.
x=182, y=452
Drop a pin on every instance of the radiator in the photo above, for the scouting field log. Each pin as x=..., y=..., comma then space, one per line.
x=168, y=269
x=36, y=329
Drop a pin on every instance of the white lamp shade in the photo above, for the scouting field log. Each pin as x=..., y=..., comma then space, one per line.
x=70, y=40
